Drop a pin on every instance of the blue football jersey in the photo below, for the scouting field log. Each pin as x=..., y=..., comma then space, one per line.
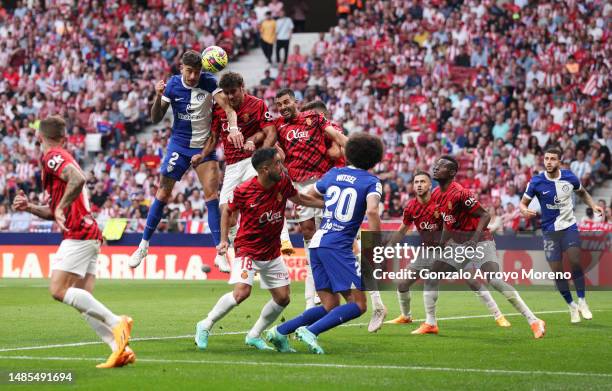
x=555, y=197
x=345, y=191
x=192, y=109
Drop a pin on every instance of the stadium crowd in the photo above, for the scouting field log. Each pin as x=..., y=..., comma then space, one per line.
x=493, y=83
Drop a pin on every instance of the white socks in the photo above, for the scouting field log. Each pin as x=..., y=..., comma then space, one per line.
x=430, y=297
x=376, y=300
x=144, y=243
x=309, y=287
x=102, y=329
x=85, y=303
x=231, y=234
x=488, y=301
x=268, y=315
x=223, y=306
x=285, y=232
x=514, y=298
x=404, y=303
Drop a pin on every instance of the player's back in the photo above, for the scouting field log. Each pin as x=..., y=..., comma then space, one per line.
x=79, y=221
x=345, y=191
x=191, y=108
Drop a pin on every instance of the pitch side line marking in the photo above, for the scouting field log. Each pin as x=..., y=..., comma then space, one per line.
x=323, y=365
x=74, y=344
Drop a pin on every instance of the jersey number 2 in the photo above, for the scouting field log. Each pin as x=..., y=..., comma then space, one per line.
x=344, y=200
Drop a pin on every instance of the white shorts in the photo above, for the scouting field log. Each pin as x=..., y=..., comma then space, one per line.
x=234, y=175
x=272, y=274
x=305, y=212
x=485, y=251
x=77, y=256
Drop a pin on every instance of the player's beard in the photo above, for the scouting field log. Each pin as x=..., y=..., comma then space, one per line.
x=275, y=176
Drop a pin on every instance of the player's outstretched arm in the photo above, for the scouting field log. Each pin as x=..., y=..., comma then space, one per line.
x=335, y=136
x=159, y=108
x=398, y=235
x=224, y=240
x=20, y=203
x=269, y=136
x=485, y=217
x=234, y=136
x=588, y=200
x=335, y=151
x=75, y=180
x=311, y=199
x=209, y=147
x=372, y=212
x=524, y=208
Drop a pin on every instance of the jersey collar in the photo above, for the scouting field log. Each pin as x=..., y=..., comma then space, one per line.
x=185, y=85
x=552, y=179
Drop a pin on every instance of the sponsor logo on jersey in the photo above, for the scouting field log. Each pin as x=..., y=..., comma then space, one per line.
x=55, y=162
x=271, y=217
x=190, y=111
x=470, y=202
x=295, y=134
x=427, y=226
x=559, y=204
x=448, y=218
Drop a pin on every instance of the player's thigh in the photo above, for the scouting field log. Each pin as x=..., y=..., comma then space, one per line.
x=342, y=268
x=308, y=227
x=272, y=273
x=87, y=283
x=77, y=257
x=570, y=245
x=176, y=162
x=232, y=177
x=60, y=282
x=553, y=246
x=243, y=271
x=319, y=272
x=306, y=213
x=208, y=174
x=556, y=266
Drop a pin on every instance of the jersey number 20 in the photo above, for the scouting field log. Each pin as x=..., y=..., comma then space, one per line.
x=344, y=199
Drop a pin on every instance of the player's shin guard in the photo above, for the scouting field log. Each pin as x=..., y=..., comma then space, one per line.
x=376, y=300
x=484, y=295
x=85, y=303
x=514, y=298
x=430, y=298
x=268, y=315
x=214, y=219
x=223, y=306
x=306, y=318
x=578, y=278
x=310, y=292
x=335, y=317
x=102, y=329
x=153, y=218
x=404, y=302
x=564, y=290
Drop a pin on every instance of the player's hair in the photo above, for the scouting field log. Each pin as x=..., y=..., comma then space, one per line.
x=363, y=150
x=191, y=58
x=231, y=80
x=315, y=105
x=262, y=156
x=455, y=164
x=53, y=128
x=416, y=174
x=285, y=91
x=554, y=150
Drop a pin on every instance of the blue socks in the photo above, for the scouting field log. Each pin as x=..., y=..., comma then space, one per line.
x=335, y=317
x=563, y=287
x=153, y=218
x=578, y=277
x=214, y=219
x=307, y=318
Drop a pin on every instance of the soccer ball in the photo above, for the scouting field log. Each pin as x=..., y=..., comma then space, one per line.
x=214, y=59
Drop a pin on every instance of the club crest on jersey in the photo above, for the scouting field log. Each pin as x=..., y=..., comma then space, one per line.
x=308, y=121
x=55, y=162
x=295, y=134
x=566, y=188
x=244, y=275
x=279, y=197
x=200, y=97
x=245, y=117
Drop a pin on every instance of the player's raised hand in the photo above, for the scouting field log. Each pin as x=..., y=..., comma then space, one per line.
x=528, y=213
x=249, y=146
x=599, y=210
x=60, y=219
x=236, y=138
x=20, y=202
x=222, y=247
x=160, y=87
x=196, y=159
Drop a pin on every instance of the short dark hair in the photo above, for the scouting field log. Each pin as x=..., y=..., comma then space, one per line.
x=315, y=105
x=53, y=128
x=554, y=150
x=191, y=58
x=262, y=156
x=416, y=174
x=451, y=159
x=285, y=91
x=363, y=150
x=231, y=80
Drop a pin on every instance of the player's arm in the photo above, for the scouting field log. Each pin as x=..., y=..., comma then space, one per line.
x=588, y=200
x=160, y=103
x=398, y=235
x=335, y=136
x=234, y=136
x=224, y=240
x=209, y=147
x=269, y=136
x=372, y=202
x=75, y=180
x=485, y=217
x=524, y=208
x=312, y=199
x=20, y=203
x=334, y=151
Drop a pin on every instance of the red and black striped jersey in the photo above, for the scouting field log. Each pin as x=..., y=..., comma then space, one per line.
x=253, y=116
x=262, y=214
x=79, y=221
x=426, y=218
x=303, y=141
x=456, y=206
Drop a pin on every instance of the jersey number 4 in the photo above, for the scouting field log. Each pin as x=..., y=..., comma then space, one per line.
x=341, y=203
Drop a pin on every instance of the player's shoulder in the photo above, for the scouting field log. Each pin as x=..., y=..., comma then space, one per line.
x=538, y=178
x=174, y=81
x=56, y=157
x=567, y=174
x=206, y=77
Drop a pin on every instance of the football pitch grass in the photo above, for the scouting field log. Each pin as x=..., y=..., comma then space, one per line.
x=471, y=352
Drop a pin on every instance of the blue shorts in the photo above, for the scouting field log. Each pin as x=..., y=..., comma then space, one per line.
x=336, y=270
x=178, y=160
x=557, y=242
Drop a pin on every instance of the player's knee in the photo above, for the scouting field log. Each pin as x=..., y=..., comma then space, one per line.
x=308, y=231
x=163, y=194
x=283, y=301
x=241, y=295
x=57, y=292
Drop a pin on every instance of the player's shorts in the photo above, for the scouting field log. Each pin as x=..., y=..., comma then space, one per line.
x=463, y=258
x=556, y=242
x=424, y=261
x=304, y=212
x=335, y=269
x=235, y=174
x=77, y=256
x=272, y=274
x=178, y=160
